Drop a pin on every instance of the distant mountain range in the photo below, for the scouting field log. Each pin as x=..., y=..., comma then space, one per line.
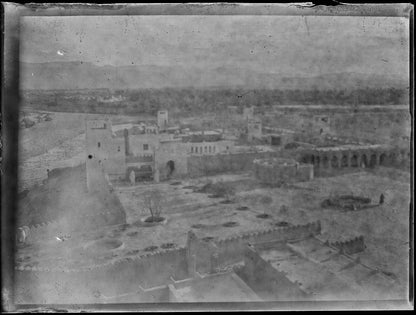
x=85, y=75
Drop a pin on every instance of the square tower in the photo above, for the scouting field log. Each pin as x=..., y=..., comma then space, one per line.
x=162, y=119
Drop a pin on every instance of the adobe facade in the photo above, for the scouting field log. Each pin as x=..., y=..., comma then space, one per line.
x=104, y=152
x=277, y=171
x=144, y=154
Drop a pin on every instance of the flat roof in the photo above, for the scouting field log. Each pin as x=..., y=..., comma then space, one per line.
x=217, y=288
x=321, y=270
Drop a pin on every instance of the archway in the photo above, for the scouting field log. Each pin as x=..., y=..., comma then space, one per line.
x=383, y=159
x=373, y=160
x=354, y=161
x=325, y=162
x=171, y=167
x=334, y=162
x=305, y=159
x=344, y=161
x=364, y=162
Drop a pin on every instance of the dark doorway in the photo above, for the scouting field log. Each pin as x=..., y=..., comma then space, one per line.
x=334, y=162
x=276, y=140
x=354, y=161
x=344, y=161
x=383, y=160
x=171, y=167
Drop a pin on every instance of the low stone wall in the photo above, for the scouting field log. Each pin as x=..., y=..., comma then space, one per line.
x=222, y=163
x=280, y=171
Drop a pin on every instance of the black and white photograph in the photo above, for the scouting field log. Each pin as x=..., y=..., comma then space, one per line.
x=252, y=156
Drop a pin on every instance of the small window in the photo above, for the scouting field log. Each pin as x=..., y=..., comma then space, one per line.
x=145, y=147
x=205, y=150
x=118, y=148
x=99, y=144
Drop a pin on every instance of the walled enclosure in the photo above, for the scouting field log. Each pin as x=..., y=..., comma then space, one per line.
x=142, y=275
x=216, y=254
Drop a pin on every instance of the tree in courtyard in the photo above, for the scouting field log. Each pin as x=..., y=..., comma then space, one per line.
x=265, y=201
x=153, y=202
x=223, y=190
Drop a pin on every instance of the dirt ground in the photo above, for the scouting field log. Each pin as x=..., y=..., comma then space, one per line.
x=385, y=227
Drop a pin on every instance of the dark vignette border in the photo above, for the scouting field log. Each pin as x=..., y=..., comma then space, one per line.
x=11, y=14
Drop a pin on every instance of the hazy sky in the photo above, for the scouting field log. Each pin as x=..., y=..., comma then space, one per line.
x=290, y=45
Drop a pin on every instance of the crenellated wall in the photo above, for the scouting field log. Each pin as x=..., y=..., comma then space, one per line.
x=209, y=256
x=349, y=247
x=231, y=250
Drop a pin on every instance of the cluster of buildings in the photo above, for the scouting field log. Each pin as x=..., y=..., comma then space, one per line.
x=147, y=150
x=158, y=151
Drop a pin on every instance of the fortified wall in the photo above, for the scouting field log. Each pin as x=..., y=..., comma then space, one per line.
x=62, y=213
x=95, y=283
